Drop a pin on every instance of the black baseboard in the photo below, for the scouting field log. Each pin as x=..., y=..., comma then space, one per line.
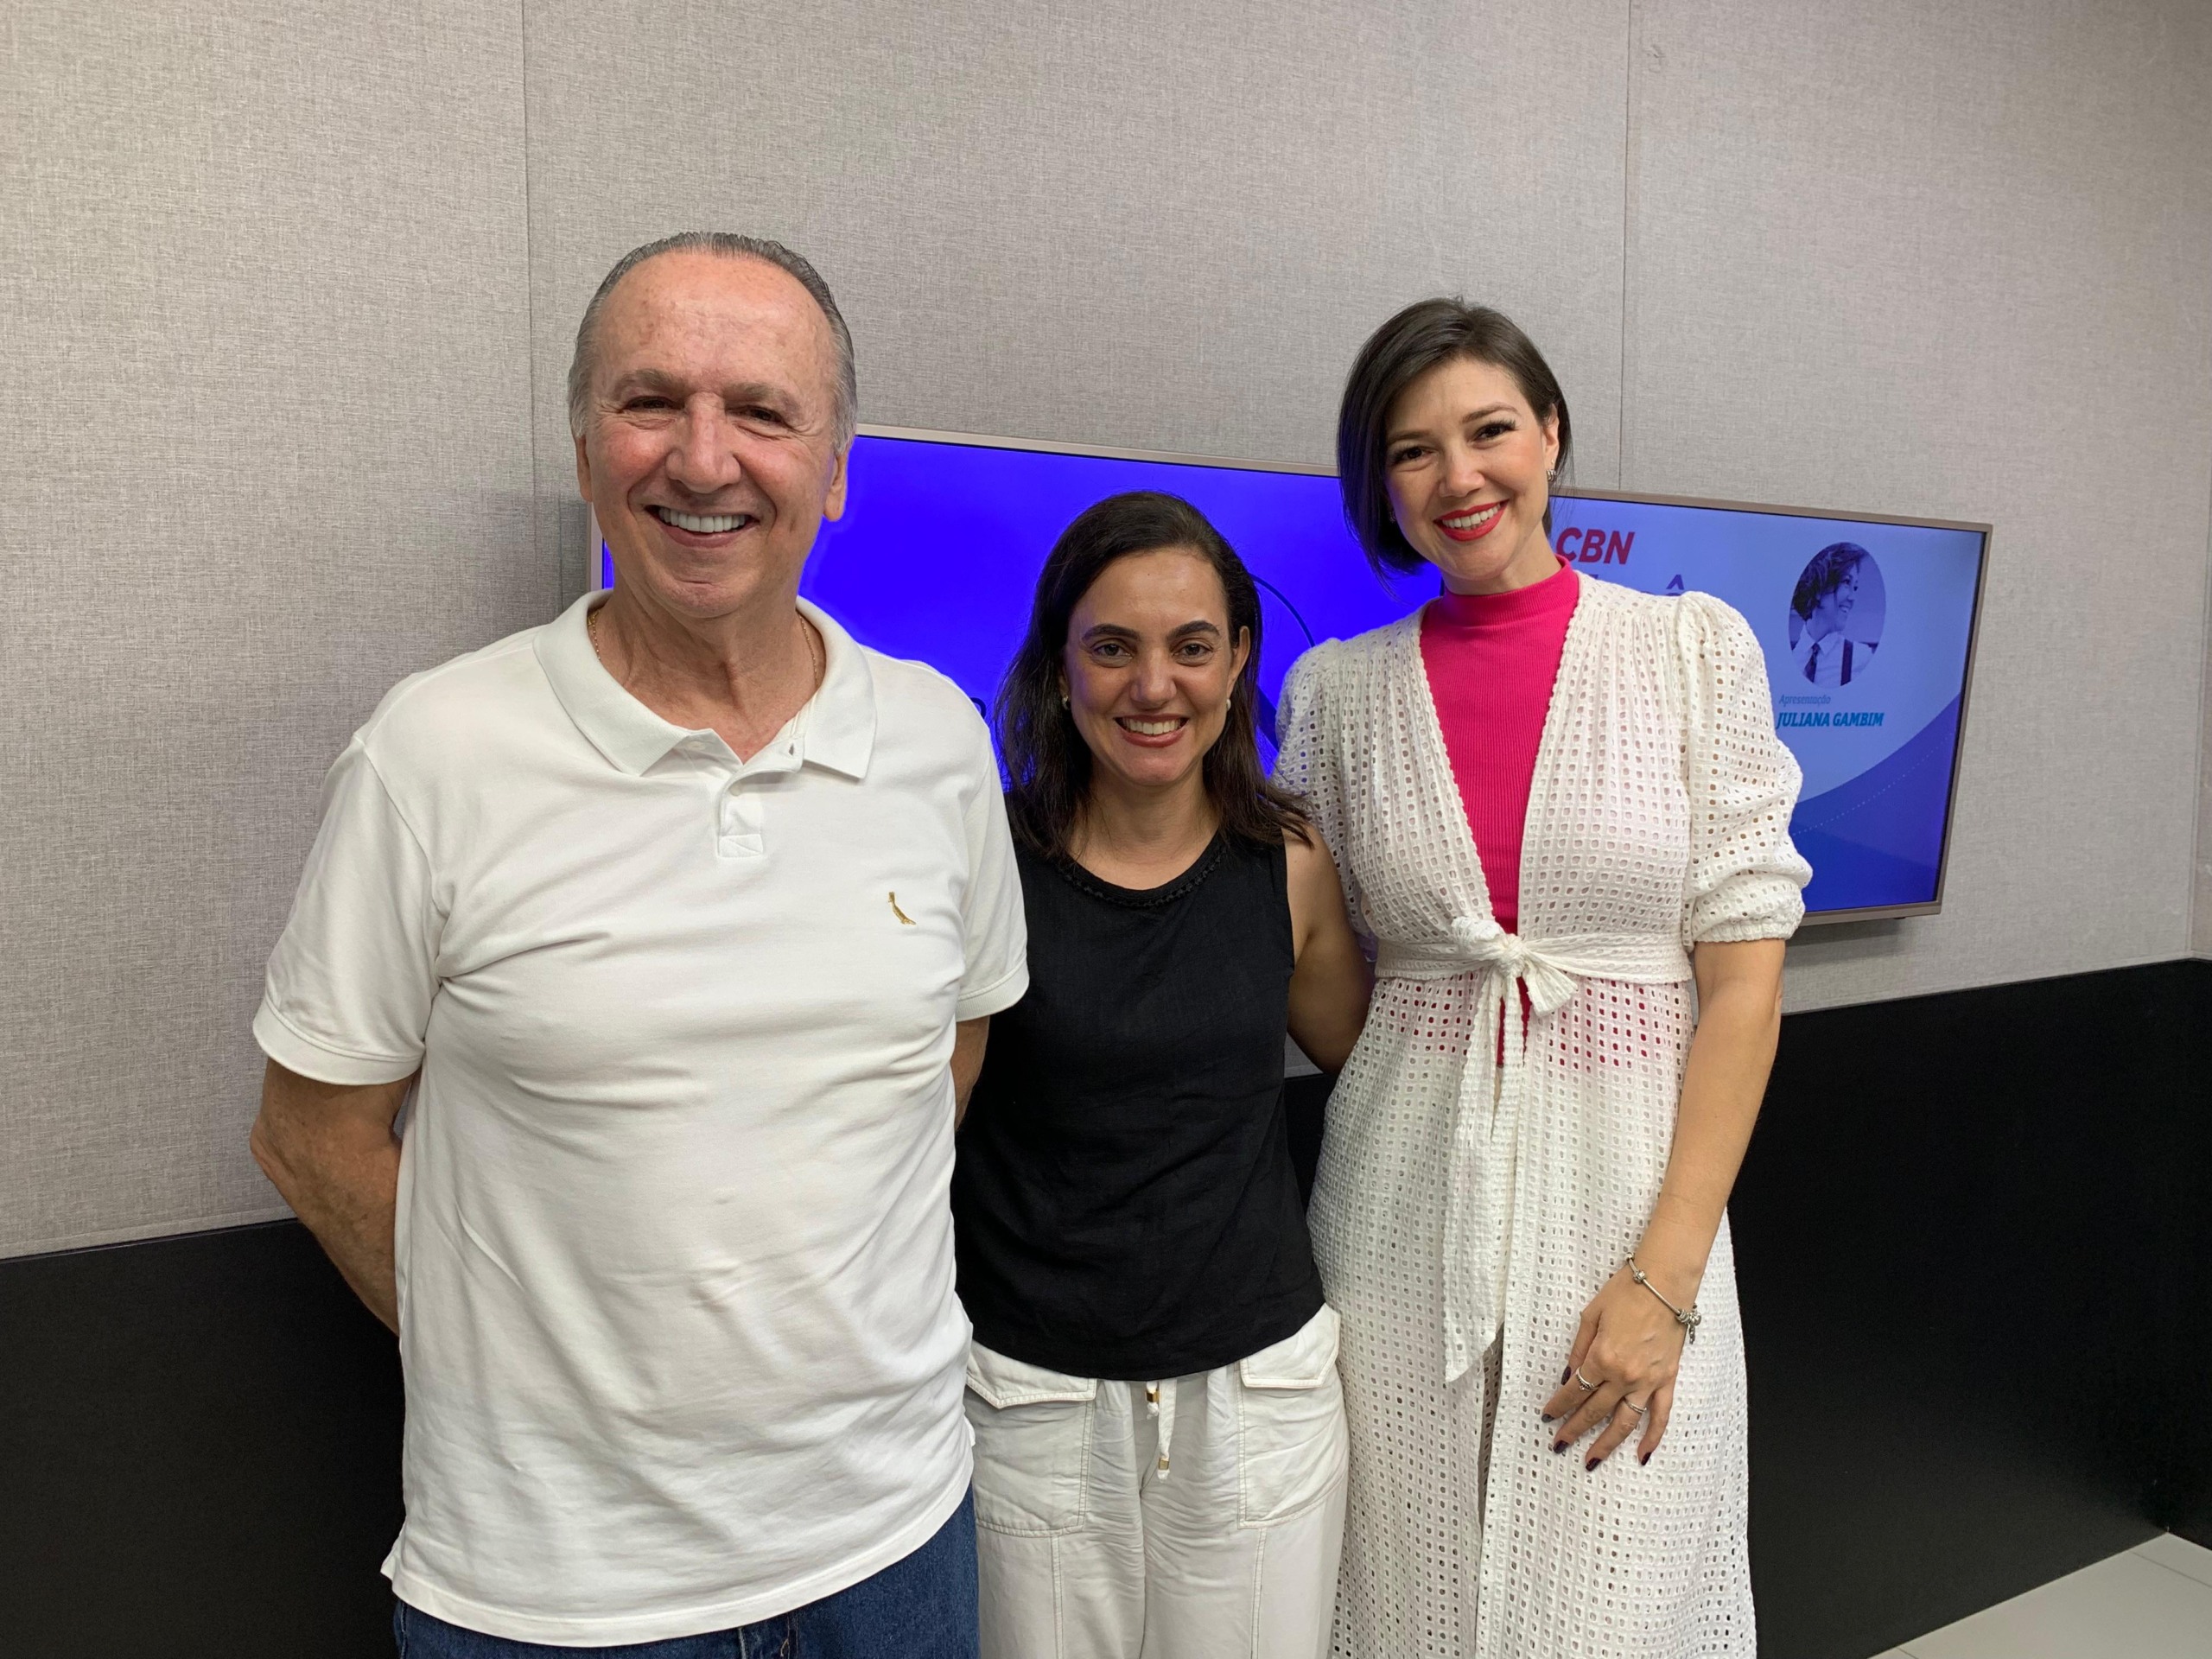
x=1968, y=1233
x=199, y=1453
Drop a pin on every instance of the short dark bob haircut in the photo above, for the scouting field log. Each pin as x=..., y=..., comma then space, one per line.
x=1423, y=336
x=1048, y=764
x=1830, y=568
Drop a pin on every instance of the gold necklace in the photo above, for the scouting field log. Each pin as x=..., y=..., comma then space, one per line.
x=817, y=654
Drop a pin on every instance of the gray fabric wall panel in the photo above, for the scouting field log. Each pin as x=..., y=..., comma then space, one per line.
x=2201, y=906
x=288, y=293
x=264, y=318
x=1956, y=262
x=2201, y=911
x=1122, y=223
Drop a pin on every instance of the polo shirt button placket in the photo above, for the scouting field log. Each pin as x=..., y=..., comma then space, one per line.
x=740, y=811
x=742, y=831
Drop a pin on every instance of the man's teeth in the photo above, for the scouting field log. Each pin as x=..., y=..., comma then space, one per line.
x=702, y=525
x=1468, y=520
x=1151, y=727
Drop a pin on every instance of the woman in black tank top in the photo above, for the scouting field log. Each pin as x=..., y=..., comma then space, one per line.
x=1159, y=1437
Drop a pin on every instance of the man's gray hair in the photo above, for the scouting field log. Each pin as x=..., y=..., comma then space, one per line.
x=732, y=246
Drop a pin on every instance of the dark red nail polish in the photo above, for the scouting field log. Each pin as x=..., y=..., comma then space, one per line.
x=1645, y=1457
x=1546, y=1416
x=1559, y=1445
x=1593, y=1463
x=1564, y=1374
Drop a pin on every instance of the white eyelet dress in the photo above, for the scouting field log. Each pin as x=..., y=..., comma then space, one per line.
x=1466, y=1211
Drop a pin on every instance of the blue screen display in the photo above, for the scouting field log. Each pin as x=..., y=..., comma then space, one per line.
x=1866, y=626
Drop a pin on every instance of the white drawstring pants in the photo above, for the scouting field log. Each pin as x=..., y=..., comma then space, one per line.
x=1197, y=1517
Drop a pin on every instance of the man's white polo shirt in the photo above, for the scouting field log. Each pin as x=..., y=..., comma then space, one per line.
x=676, y=1277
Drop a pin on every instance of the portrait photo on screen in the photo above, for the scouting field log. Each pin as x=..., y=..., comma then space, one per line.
x=1835, y=615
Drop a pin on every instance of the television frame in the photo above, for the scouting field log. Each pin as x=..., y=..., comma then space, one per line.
x=1865, y=913
x=1987, y=532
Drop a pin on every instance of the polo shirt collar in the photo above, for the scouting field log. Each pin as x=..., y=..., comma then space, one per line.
x=837, y=726
x=836, y=729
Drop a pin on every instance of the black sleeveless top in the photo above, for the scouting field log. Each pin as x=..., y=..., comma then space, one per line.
x=1123, y=1201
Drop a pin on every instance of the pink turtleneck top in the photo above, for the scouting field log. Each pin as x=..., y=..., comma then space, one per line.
x=1490, y=660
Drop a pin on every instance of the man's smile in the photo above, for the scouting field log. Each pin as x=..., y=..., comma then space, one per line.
x=701, y=524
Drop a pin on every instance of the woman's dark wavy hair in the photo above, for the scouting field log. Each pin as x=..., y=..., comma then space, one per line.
x=1420, y=338
x=1048, y=764
x=1830, y=568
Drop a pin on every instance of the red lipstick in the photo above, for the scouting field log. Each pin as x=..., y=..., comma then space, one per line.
x=1482, y=526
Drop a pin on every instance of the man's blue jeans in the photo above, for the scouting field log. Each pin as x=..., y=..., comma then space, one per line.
x=923, y=1607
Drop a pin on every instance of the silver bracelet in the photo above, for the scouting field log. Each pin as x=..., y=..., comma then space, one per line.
x=1689, y=1317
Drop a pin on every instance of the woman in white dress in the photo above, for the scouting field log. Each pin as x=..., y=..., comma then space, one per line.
x=1520, y=1215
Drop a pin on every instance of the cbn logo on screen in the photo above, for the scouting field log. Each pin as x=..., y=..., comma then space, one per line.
x=1593, y=545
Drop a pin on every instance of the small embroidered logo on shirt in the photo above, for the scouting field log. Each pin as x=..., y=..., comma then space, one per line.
x=905, y=921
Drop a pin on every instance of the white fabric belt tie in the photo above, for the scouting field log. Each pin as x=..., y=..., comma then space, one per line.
x=1160, y=1400
x=1485, y=1156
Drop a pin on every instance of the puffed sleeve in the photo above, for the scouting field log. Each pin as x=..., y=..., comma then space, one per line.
x=1746, y=874
x=353, y=974
x=1310, y=757
x=1308, y=760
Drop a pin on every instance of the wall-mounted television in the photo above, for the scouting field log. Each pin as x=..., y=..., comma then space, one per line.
x=1868, y=622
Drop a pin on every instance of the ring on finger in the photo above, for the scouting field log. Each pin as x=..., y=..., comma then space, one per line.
x=1641, y=1411
x=1584, y=1383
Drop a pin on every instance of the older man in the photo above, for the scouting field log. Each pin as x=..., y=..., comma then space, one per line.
x=682, y=918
